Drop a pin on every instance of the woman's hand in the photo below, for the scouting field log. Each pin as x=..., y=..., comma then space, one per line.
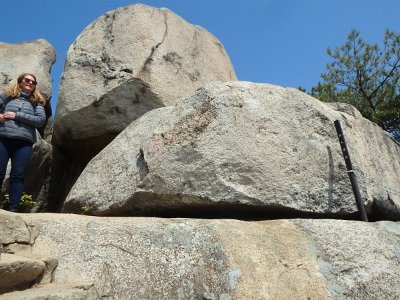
x=9, y=115
x=2, y=118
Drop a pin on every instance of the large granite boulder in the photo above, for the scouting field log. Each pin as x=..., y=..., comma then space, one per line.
x=35, y=57
x=154, y=258
x=237, y=148
x=127, y=62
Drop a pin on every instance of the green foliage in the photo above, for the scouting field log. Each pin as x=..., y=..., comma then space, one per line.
x=366, y=76
x=26, y=201
x=86, y=209
x=4, y=201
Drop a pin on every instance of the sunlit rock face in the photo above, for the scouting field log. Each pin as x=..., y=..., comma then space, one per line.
x=35, y=57
x=242, y=148
x=166, y=258
x=127, y=62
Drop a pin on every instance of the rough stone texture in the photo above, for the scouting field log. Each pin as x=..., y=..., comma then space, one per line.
x=127, y=62
x=54, y=292
x=376, y=159
x=17, y=271
x=237, y=148
x=346, y=258
x=153, y=258
x=35, y=57
x=13, y=229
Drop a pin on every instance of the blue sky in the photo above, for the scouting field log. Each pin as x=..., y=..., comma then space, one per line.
x=281, y=42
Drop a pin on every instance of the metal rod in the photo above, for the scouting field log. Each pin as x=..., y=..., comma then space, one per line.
x=350, y=171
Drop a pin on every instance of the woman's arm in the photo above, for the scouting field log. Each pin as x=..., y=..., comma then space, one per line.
x=37, y=120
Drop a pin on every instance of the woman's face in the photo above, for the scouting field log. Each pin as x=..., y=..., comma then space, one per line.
x=28, y=84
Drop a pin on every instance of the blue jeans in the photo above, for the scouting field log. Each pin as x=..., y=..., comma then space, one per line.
x=19, y=152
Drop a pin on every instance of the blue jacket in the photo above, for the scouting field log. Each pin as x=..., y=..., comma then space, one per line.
x=28, y=117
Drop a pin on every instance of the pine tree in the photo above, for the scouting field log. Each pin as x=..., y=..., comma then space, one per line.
x=366, y=76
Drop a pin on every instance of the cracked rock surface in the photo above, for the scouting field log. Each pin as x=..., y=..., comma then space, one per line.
x=239, y=148
x=127, y=62
x=154, y=258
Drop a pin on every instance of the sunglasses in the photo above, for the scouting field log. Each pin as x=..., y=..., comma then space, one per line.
x=27, y=80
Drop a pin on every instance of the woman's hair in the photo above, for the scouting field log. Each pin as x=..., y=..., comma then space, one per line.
x=14, y=90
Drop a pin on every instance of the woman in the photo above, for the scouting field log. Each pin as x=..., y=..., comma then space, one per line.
x=21, y=112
